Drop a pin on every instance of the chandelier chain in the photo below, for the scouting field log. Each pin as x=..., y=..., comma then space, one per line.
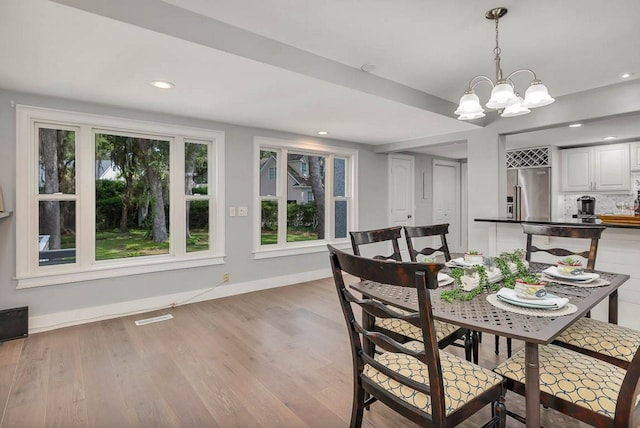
x=497, y=49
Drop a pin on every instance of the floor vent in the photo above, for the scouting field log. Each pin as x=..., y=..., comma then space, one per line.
x=154, y=319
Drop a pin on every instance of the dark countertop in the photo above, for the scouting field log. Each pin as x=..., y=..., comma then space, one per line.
x=559, y=221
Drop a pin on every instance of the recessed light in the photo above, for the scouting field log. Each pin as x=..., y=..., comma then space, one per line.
x=161, y=84
x=626, y=75
x=323, y=133
x=575, y=125
x=610, y=137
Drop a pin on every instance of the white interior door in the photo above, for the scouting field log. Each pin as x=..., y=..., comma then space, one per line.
x=401, y=189
x=447, y=201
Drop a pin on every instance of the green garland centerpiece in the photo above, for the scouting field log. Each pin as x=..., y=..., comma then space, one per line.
x=502, y=262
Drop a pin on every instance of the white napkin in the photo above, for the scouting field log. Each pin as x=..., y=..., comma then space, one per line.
x=548, y=302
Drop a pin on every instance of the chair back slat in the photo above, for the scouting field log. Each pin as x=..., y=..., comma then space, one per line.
x=389, y=234
x=413, y=232
x=422, y=276
x=592, y=233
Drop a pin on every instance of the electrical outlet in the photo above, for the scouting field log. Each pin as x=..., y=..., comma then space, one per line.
x=225, y=277
x=242, y=211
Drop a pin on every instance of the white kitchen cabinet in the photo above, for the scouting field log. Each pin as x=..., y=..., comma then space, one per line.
x=599, y=168
x=635, y=156
x=612, y=167
x=577, y=169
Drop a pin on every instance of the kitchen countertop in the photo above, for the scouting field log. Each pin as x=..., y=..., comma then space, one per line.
x=562, y=221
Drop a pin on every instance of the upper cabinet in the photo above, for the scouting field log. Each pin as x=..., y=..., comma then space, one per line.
x=635, y=156
x=577, y=169
x=599, y=168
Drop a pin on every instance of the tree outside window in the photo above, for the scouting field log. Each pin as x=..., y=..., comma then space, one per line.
x=294, y=209
x=110, y=191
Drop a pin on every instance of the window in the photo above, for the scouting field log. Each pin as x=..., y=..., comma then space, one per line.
x=114, y=197
x=272, y=174
x=302, y=212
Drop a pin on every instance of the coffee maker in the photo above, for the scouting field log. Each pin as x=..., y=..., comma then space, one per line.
x=586, y=207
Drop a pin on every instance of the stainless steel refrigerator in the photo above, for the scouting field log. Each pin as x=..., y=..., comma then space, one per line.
x=529, y=193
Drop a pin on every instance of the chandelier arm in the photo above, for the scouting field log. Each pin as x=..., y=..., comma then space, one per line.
x=479, y=79
x=520, y=70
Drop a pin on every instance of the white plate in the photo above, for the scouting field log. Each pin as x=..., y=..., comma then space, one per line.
x=460, y=262
x=551, y=301
x=583, y=277
x=444, y=279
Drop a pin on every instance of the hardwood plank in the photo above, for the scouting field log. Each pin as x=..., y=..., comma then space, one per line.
x=139, y=393
x=197, y=359
x=104, y=401
x=178, y=393
x=66, y=398
x=26, y=405
x=9, y=356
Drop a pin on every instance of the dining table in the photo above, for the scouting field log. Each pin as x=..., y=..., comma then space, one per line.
x=479, y=314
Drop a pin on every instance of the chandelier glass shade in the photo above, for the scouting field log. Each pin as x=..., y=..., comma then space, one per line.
x=504, y=98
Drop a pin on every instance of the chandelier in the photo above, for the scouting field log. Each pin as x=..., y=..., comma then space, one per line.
x=503, y=96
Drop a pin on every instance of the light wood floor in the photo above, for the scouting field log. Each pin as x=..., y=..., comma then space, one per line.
x=276, y=358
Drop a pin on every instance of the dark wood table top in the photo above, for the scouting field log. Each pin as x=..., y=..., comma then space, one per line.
x=478, y=314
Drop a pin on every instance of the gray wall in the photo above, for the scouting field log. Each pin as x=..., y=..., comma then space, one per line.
x=239, y=191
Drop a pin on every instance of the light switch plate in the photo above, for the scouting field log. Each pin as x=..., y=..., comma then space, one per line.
x=242, y=211
x=232, y=211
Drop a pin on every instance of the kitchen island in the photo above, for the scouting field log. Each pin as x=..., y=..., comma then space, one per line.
x=618, y=251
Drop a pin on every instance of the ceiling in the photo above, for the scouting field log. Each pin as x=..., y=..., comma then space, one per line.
x=295, y=65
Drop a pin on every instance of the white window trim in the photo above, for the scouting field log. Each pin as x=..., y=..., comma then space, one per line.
x=29, y=274
x=305, y=247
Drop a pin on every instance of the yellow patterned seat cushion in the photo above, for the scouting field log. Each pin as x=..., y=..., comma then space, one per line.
x=602, y=337
x=404, y=328
x=573, y=377
x=463, y=380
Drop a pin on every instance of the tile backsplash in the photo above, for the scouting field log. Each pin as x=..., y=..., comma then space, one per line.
x=605, y=202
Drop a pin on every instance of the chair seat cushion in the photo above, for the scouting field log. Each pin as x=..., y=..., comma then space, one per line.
x=409, y=330
x=463, y=380
x=602, y=337
x=573, y=377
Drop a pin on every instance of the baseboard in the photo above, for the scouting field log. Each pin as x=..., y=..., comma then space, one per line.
x=62, y=319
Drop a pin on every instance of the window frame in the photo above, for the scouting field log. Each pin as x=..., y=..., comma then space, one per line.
x=283, y=147
x=30, y=274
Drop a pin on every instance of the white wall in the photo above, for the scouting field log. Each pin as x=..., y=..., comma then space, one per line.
x=62, y=304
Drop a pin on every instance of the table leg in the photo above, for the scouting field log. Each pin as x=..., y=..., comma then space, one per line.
x=613, y=307
x=532, y=384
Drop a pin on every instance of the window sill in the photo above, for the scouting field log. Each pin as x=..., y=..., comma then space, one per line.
x=115, y=270
x=306, y=248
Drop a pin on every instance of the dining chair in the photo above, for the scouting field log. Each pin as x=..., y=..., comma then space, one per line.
x=447, y=334
x=416, y=379
x=585, y=388
x=583, y=232
x=388, y=235
x=412, y=234
x=603, y=340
